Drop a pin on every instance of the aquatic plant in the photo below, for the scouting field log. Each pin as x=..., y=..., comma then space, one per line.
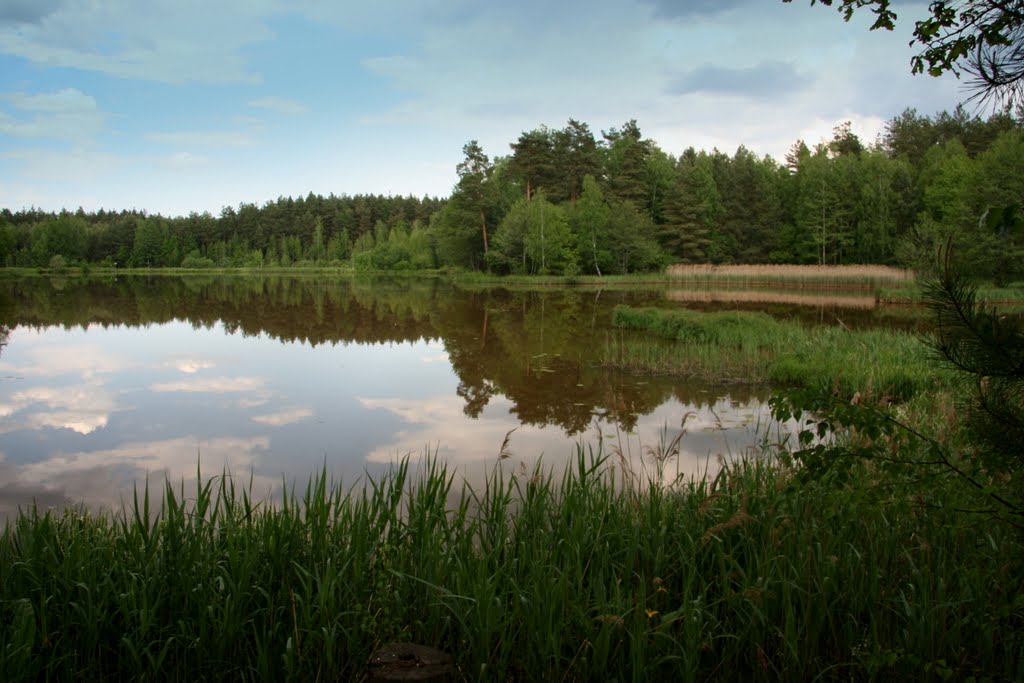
x=754, y=574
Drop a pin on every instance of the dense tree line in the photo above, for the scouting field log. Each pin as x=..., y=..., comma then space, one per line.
x=282, y=232
x=566, y=201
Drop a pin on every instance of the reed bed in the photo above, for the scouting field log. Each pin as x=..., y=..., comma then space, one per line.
x=754, y=575
x=794, y=275
x=755, y=348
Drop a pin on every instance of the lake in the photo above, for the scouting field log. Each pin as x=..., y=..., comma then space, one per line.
x=105, y=381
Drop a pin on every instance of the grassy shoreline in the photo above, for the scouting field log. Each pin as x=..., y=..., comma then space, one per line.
x=754, y=575
x=817, y=276
x=888, y=286
x=755, y=348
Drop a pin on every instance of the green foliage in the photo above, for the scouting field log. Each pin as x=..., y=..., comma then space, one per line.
x=194, y=260
x=535, y=238
x=590, y=223
x=58, y=263
x=576, y=154
x=8, y=244
x=397, y=248
x=626, y=165
x=692, y=208
x=532, y=161
x=530, y=575
x=64, y=236
x=987, y=349
x=982, y=349
x=632, y=240
x=737, y=346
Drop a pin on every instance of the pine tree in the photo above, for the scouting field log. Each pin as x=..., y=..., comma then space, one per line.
x=576, y=157
x=532, y=161
x=471, y=192
x=690, y=210
x=627, y=164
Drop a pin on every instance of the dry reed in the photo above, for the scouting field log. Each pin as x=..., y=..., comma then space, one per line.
x=851, y=274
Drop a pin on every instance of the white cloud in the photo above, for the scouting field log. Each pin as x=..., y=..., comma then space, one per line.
x=246, y=403
x=278, y=105
x=204, y=138
x=711, y=430
x=186, y=160
x=86, y=360
x=67, y=114
x=73, y=166
x=61, y=101
x=81, y=408
x=177, y=457
x=15, y=195
x=284, y=417
x=190, y=366
x=211, y=385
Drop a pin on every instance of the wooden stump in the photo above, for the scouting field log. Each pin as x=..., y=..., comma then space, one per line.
x=409, y=662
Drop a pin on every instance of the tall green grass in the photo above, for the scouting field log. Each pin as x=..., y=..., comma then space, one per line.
x=755, y=348
x=752, y=575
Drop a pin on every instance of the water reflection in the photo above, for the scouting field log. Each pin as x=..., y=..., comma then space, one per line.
x=107, y=380
x=104, y=478
x=81, y=408
x=761, y=296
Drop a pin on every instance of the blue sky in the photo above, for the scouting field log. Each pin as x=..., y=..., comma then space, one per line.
x=180, y=105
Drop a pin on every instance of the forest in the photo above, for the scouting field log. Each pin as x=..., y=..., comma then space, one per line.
x=566, y=201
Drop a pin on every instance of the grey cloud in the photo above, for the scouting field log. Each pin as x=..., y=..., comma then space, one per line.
x=689, y=9
x=155, y=41
x=95, y=489
x=760, y=81
x=15, y=495
x=27, y=11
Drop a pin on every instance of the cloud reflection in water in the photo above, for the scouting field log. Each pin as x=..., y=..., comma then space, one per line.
x=721, y=429
x=104, y=478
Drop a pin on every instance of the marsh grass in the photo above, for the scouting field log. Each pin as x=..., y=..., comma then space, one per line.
x=1012, y=293
x=751, y=575
x=755, y=348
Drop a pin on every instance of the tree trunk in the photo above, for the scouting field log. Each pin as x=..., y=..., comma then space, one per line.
x=483, y=227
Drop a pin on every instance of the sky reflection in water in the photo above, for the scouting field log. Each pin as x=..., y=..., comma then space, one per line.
x=87, y=411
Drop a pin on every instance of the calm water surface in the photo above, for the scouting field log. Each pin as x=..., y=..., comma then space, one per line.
x=106, y=381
